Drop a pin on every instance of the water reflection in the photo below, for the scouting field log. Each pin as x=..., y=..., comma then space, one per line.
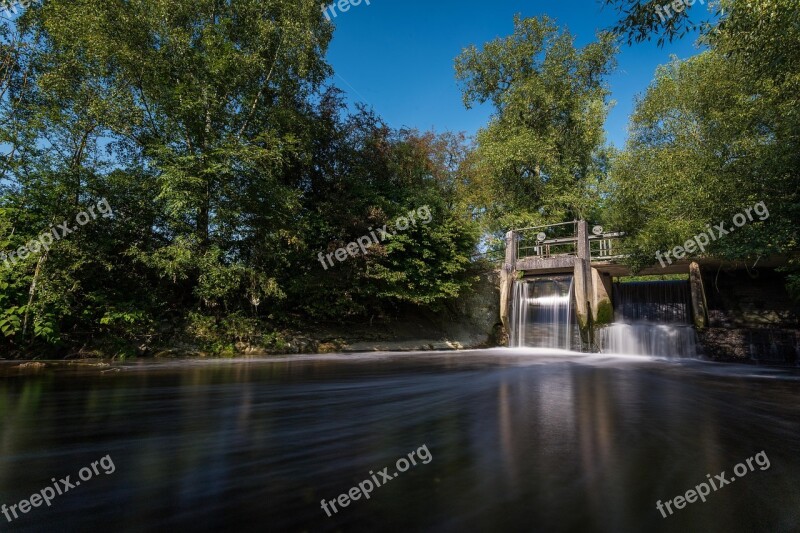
x=520, y=441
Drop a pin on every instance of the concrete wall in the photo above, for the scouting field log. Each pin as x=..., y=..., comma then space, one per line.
x=751, y=317
x=507, y=275
x=602, y=305
x=583, y=283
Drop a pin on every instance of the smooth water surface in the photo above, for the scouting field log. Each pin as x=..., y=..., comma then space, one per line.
x=520, y=440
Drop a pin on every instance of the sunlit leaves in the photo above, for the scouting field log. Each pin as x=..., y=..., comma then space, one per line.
x=538, y=157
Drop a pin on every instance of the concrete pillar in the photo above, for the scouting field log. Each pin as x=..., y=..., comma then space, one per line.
x=507, y=275
x=602, y=305
x=699, y=303
x=583, y=280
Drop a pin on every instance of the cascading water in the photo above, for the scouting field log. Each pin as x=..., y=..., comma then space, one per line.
x=542, y=315
x=652, y=318
x=665, y=340
x=653, y=301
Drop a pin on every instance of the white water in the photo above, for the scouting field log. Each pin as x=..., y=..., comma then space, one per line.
x=663, y=340
x=652, y=318
x=542, y=314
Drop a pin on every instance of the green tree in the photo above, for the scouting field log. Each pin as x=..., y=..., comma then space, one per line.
x=716, y=134
x=542, y=154
x=188, y=117
x=642, y=20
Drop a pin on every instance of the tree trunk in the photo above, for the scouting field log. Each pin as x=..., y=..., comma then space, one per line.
x=32, y=293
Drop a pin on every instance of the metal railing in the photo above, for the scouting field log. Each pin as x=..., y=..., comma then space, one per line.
x=555, y=240
x=607, y=247
x=561, y=240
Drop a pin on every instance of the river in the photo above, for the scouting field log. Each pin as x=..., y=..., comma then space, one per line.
x=503, y=440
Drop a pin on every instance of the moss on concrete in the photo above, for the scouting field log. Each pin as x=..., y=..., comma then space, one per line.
x=699, y=323
x=605, y=313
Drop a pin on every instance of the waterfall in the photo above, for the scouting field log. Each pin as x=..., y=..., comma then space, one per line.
x=664, y=340
x=519, y=314
x=651, y=318
x=653, y=301
x=542, y=315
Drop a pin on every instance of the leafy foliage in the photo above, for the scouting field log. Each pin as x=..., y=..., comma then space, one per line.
x=541, y=155
x=642, y=20
x=229, y=164
x=716, y=134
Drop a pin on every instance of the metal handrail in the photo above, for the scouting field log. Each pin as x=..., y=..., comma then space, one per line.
x=565, y=243
x=574, y=222
x=601, y=247
x=607, y=250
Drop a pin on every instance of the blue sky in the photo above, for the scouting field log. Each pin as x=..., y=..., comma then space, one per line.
x=397, y=56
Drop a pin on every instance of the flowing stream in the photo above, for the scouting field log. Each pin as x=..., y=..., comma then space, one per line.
x=651, y=318
x=519, y=440
x=542, y=314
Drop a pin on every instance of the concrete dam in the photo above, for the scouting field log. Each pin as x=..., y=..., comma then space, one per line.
x=561, y=287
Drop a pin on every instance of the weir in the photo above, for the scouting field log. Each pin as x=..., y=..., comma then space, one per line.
x=653, y=301
x=666, y=319
x=557, y=292
x=543, y=314
x=650, y=318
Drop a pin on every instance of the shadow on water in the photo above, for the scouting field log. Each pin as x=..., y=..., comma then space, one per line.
x=521, y=440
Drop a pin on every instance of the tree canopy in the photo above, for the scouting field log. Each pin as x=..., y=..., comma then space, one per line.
x=230, y=163
x=542, y=154
x=715, y=134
